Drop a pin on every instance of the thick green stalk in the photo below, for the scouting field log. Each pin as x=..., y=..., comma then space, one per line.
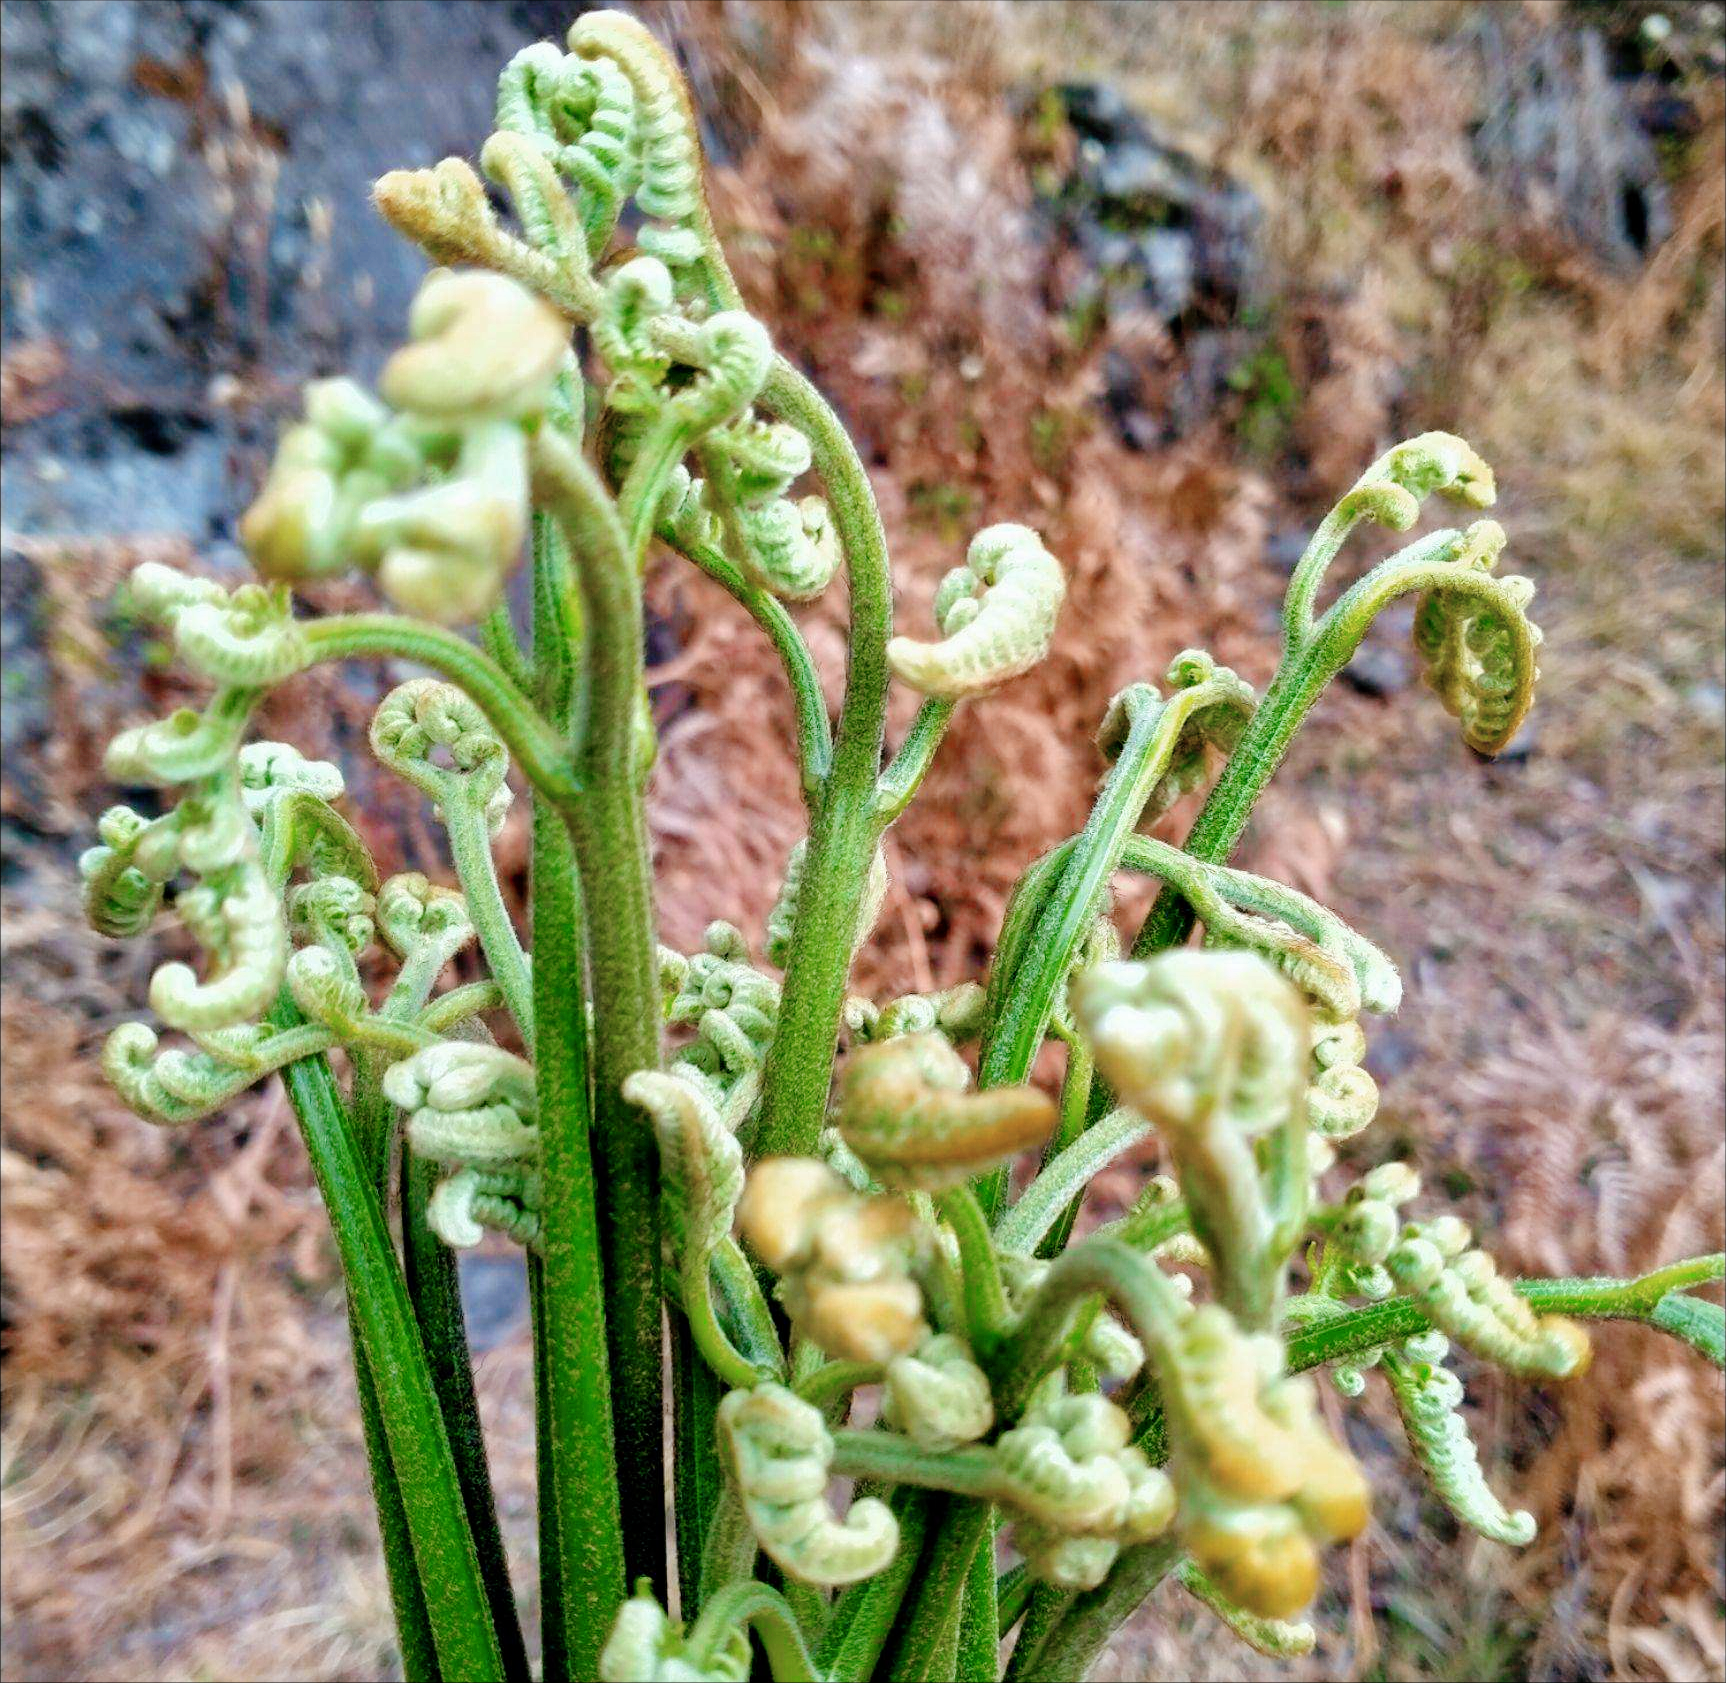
x=865, y=1614
x=978, y=1657
x=1072, y=1644
x=844, y=826
x=609, y=829
x=456, y=1604
x=1076, y=1083
x=581, y=1556
x=1339, y=1332
x=430, y=1272
x=1017, y=1027
x=927, y=1636
x=698, y=1479
x=1044, y=1605
x=985, y=1299
x=414, y=1637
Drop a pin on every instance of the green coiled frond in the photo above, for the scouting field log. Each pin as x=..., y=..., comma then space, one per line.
x=937, y=1395
x=996, y=614
x=1427, y=1397
x=778, y=1451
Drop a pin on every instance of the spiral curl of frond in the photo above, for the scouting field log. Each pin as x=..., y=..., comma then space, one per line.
x=348, y=485
x=468, y=1204
x=468, y=1104
x=347, y=452
x=647, y=1647
x=270, y=770
x=249, y=641
x=667, y=149
x=1262, y=1484
x=479, y=346
x=905, y=1111
x=701, y=1165
x=237, y=919
x=1212, y=1047
x=1428, y=1396
x=1212, y=705
x=174, y=1086
x=845, y=1262
x=581, y=113
x=937, y=1395
x=734, y=1010
x=1460, y=1288
x=331, y=909
x=1340, y=972
x=422, y=716
x=121, y=898
x=1083, y=1490
x=994, y=636
x=958, y=1012
x=1477, y=648
x=415, y=913
x=778, y=1450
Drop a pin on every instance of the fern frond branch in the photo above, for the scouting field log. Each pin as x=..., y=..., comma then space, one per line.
x=532, y=743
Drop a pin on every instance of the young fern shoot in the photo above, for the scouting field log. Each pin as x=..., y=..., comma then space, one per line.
x=664, y=1133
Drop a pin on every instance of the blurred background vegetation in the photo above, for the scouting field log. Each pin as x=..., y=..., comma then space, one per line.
x=1158, y=279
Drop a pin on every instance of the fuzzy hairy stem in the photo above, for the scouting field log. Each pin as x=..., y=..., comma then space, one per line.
x=449, y=1572
x=609, y=830
x=845, y=825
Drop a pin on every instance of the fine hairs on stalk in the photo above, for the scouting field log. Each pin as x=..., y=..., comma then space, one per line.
x=809, y=1187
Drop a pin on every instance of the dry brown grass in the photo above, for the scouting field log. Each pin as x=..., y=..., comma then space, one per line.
x=183, y=1482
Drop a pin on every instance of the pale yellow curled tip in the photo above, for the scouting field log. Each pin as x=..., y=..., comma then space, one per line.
x=991, y=638
x=1443, y=463
x=482, y=345
x=844, y=1260
x=904, y=1110
x=443, y=210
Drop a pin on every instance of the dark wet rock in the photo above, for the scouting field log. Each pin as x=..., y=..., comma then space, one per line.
x=1155, y=235
x=1562, y=138
x=186, y=217
x=1153, y=220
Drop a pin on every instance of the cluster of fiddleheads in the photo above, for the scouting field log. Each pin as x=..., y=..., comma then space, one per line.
x=1128, y=1405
